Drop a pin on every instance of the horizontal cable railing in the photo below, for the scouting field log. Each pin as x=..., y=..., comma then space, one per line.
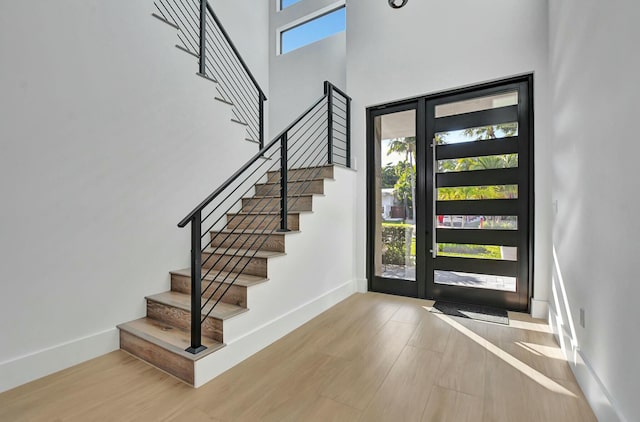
x=203, y=35
x=231, y=226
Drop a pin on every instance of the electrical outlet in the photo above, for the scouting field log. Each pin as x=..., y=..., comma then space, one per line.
x=582, y=317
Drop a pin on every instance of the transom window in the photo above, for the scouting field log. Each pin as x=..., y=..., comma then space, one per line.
x=314, y=29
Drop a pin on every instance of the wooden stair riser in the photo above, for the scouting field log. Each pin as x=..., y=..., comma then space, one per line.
x=236, y=295
x=302, y=174
x=265, y=242
x=260, y=204
x=261, y=221
x=159, y=357
x=295, y=188
x=229, y=263
x=211, y=327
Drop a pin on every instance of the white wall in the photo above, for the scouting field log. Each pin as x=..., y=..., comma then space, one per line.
x=296, y=78
x=594, y=68
x=108, y=139
x=247, y=23
x=430, y=46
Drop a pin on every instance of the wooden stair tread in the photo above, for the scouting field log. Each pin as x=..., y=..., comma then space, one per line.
x=244, y=253
x=168, y=337
x=268, y=213
x=294, y=195
x=244, y=280
x=305, y=168
x=313, y=179
x=182, y=301
x=256, y=231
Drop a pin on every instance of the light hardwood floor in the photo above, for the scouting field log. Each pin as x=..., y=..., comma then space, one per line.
x=372, y=357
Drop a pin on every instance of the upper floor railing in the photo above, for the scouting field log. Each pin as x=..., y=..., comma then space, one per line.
x=202, y=34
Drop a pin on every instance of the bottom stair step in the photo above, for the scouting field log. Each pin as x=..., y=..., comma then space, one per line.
x=163, y=346
x=174, y=309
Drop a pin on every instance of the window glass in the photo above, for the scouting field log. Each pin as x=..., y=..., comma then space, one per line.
x=488, y=162
x=485, y=222
x=503, y=253
x=477, y=104
x=466, y=193
x=313, y=30
x=504, y=131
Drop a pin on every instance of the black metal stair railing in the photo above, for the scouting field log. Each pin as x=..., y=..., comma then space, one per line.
x=318, y=137
x=202, y=34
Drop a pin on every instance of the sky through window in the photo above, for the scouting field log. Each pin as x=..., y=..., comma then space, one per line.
x=313, y=30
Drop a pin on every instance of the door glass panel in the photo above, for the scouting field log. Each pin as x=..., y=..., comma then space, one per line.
x=503, y=253
x=478, y=192
x=395, y=187
x=488, y=162
x=480, y=133
x=477, y=104
x=480, y=281
x=485, y=222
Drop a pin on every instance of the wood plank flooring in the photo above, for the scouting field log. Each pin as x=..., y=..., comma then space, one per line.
x=372, y=357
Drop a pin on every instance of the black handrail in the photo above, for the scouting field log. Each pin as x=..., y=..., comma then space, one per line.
x=328, y=85
x=235, y=50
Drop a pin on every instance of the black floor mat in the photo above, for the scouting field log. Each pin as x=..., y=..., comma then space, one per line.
x=480, y=313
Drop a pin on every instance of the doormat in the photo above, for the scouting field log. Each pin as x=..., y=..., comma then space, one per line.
x=480, y=313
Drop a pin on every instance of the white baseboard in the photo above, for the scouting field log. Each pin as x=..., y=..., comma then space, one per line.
x=539, y=309
x=38, y=364
x=594, y=390
x=362, y=285
x=243, y=347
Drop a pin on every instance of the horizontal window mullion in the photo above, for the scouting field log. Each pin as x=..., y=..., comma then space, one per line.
x=491, y=177
x=478, y=148
x=478, y=237
x=478, y=207
x=494, y=116
x=477, y=266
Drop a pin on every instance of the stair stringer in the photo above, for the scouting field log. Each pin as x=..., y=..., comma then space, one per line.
x=317, y=272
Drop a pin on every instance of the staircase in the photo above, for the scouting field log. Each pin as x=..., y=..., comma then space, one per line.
x=162, y=337
x=245, y=221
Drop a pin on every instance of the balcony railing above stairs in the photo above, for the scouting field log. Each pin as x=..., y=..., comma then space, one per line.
x=320, y=136
x=201, y=34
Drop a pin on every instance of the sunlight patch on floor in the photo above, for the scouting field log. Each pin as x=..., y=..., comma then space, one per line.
x=525, y=369
x=541, y=350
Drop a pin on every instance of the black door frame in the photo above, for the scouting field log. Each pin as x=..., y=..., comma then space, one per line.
x=423, y=185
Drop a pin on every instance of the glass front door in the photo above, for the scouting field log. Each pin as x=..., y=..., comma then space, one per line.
x=450, y=196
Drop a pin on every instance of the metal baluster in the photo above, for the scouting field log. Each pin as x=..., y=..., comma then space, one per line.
x=196, y=285
x=284, y=178
x=328, y=90
x=261, y=100
x=203, y=36
x=348, y=135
